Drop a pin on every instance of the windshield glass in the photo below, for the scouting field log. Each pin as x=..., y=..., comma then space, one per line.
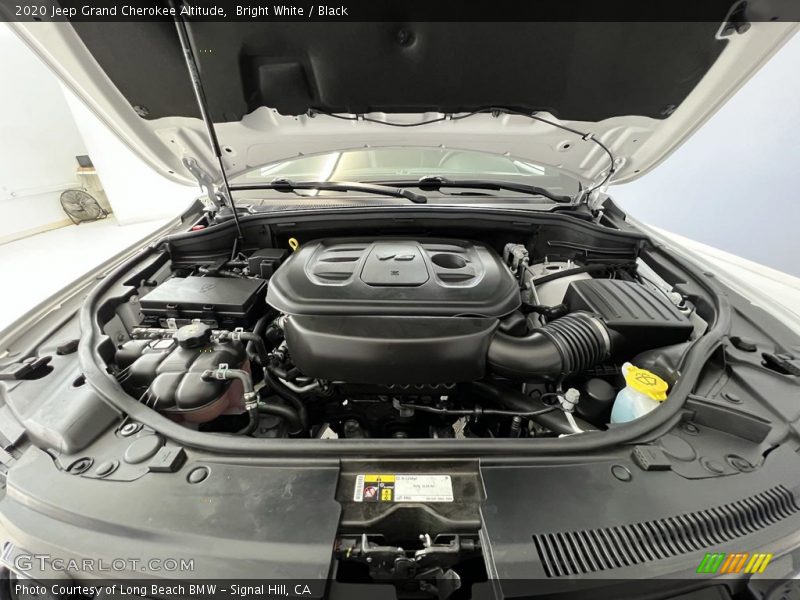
x=409, y=164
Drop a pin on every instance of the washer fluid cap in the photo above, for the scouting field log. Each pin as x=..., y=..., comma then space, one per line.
x=645, y=382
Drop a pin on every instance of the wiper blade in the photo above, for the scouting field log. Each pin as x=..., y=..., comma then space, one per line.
x=434, y=183
x=287, y=185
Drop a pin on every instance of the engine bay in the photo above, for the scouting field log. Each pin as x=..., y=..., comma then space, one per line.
x=398, y=337
x=373, y=388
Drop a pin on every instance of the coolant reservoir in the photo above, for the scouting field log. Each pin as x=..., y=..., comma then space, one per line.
x=643, y=391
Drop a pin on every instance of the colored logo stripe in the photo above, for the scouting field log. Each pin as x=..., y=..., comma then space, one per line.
x=758, y=563
x=720, y=562
x=734, y=562
x=711, y=562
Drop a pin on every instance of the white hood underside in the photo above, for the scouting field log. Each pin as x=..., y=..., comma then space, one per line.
x=264, y=136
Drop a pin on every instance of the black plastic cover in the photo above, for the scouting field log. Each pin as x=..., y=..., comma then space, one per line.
x=389, y=350
x=642, y=317
x=411, y=67
x=400, y=277
x=219, y=299
x=263, y=263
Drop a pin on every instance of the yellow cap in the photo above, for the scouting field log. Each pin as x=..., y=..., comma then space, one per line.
x=646, y=382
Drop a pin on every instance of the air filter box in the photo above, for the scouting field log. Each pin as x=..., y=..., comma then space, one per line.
x=642, y=317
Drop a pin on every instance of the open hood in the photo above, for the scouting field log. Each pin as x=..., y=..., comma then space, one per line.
x=640, y=88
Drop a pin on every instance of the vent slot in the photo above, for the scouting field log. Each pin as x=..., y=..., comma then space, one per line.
x=593, y=550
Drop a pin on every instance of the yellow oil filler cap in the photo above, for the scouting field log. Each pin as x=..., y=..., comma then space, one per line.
x=646, y=382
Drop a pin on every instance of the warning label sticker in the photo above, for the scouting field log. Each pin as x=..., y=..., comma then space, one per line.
x=382, y=487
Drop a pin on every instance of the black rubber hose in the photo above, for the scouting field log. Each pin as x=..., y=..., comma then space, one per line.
x=516, y=401
x=249, y=393
x=258, y=330
x=253, y=340
x=563, y=346
x=252, y=422
x=287, y=413
x=292, y=398
x=290, y=415
x=230, y=375
x=258, y=343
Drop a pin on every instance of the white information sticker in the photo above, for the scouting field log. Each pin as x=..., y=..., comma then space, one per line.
x=423, y=488
x=390, y=487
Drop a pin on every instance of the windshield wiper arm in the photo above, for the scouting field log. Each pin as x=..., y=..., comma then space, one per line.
x=287, y=185
x=434, y=183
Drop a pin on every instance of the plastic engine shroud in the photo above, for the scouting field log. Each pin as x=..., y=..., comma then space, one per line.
x=392, y=310
x=401, y=277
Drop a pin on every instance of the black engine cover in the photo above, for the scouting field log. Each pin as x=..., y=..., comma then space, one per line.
x=392, y=310
x=394, y=277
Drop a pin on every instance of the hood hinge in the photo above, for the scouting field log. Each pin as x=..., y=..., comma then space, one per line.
x=594, y=200
x=211, y=200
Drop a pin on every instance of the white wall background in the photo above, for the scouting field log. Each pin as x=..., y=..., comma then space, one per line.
x=42, y=128
x=135, y=191
x=38, y=142
x=735, y=184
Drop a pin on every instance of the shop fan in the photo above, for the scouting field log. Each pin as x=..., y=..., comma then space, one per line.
x=81, y=206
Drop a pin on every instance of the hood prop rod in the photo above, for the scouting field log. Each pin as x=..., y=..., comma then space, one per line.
x=202, y=103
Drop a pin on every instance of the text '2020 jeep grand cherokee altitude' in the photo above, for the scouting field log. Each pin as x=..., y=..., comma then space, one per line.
x=405, y=342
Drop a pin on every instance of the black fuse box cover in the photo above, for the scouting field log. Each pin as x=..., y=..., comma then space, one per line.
x=222, y=299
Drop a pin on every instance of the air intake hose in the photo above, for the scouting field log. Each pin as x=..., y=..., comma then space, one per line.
x=563, y=346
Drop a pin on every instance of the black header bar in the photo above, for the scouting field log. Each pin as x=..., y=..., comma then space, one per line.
x=404, y=10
